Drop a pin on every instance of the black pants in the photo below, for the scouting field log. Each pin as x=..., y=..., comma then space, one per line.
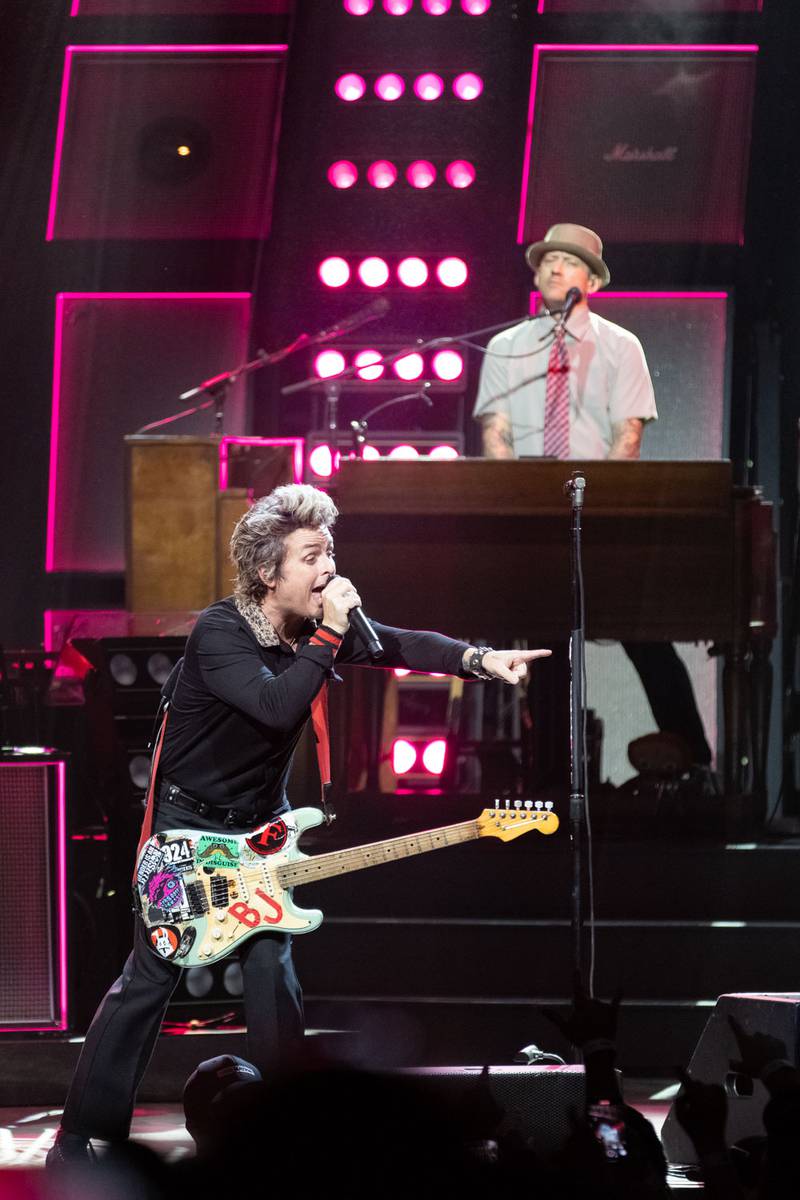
x=123, y=1033
x=666, y=684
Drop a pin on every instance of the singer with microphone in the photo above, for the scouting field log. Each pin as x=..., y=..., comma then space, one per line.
x=256, y=669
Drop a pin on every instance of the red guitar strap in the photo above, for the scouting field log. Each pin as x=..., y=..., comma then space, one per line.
x=323, y=636
x=147, y=823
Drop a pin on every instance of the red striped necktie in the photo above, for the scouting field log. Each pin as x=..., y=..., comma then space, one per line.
x=556, y=405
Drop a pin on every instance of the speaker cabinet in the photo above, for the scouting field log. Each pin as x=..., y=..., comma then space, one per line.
x=775, y=1014
x=33, y=946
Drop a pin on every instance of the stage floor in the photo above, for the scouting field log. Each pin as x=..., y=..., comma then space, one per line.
x=26, y=1134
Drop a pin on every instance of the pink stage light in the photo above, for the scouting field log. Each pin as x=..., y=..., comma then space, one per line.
x=409, y=367
x=342, y=174
x=397, y=8
x=468, y=86
x=400, y=672
x=373, y=272
x=443, y=453
x=323, y=461
x=404, y=756
x=433, y=756
x=358, y=8
x=412, y=272
x=452, y=272
x=382, y=174
x=389, y=87
x=436, y=8
x=421, y=173
x=448, y=365
x=364, y=360
x=329, y=363
x=370, y=453
x=350, y=87
x=403, y=452
x=460, y=174
x=476, y=8
x=334, y=272
x=429, y=86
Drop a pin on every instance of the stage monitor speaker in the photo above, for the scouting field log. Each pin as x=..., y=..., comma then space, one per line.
x=33, y=950
x=536, y=1101
x=777, y=1014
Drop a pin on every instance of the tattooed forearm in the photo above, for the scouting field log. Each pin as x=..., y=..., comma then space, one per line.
x=627, y=437
x=498, y=441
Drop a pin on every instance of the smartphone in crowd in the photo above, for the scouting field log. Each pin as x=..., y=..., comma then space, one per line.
x=607, y=1123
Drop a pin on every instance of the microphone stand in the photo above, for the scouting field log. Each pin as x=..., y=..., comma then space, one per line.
x=575, y=488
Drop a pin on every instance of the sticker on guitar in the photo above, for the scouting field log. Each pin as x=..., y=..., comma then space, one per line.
x=251, y=917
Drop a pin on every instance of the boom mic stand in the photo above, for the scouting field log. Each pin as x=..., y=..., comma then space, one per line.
x=575, y=488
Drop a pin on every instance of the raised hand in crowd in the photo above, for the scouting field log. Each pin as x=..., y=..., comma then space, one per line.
x=702, y=1110
x=763, y=1057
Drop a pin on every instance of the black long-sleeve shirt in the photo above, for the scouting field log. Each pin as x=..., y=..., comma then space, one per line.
x=238, y=707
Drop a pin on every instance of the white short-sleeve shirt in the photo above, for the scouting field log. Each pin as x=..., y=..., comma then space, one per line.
x=608, y=380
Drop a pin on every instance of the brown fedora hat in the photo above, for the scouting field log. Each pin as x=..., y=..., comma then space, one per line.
x=572, y=239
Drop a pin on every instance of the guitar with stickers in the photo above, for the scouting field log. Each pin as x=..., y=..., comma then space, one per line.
x=200, y=894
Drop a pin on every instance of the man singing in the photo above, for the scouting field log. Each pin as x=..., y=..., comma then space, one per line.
x=254, y=665
x=580, y=388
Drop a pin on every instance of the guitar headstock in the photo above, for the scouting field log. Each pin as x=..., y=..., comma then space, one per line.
x=509, y=822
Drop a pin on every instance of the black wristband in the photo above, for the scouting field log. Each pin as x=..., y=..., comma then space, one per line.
x=475, y=662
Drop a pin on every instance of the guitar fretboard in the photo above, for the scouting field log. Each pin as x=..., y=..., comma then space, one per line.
x=339, y=862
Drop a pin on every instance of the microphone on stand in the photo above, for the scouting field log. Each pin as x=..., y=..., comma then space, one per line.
x=573, y=297
x=370, y=312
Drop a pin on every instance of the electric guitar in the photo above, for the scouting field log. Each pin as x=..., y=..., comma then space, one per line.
x=200, y=894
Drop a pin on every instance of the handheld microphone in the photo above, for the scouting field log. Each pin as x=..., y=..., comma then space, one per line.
x=366, y=633
x=573, y=297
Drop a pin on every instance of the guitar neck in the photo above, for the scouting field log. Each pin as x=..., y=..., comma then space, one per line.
x=339, y=862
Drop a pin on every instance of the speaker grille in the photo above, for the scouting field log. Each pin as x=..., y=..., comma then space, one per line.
x=31, y=867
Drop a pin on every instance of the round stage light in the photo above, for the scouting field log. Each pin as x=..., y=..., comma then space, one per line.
x=139, y=771
x=443, y=453
x=364, y=360
x=452, y=272
x=334, y=272
x=436, y=7
x=409, y=367
x=468, y=86
x=159, y=668
x=476, y=8
x=397, y=8
x=448, y=365
x=358, y=8
x=350, y=87
x=428, y=86
x=199, y=981
x=389, y=87
x=232, y=979
x=373, y=272
x=403, y=452
x=370, y=453
x=421, y=173
x=322, y=461
x=329, y=363
x=382, y=174
x=460, y=174
x=412, y=272
x=433, y=756
x=123, y=670
x=403, y=756
x=342, y=174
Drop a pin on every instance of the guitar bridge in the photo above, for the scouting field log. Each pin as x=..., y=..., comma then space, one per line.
x=198, y=901
x=220, y=887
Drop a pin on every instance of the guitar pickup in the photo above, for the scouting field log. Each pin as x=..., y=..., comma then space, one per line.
x=220, y=888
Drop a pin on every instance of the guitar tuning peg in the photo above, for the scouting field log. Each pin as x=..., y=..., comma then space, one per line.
x=538, y=804
x=528, y=805
x=508, y=805
x=517, y=804
x=548, y=805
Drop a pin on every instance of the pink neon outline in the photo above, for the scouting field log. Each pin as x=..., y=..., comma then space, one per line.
x=117, y=49
x=61, y=898
x=297, y=458
x=534, y=297
x=540, y=7
x=76, y=4
x=594, y=47
x=61, y=297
